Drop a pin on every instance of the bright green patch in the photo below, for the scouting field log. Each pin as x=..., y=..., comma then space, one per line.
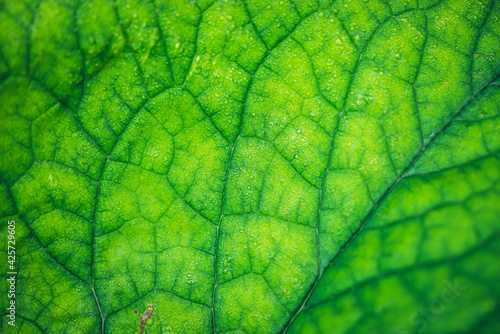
x=251, y=166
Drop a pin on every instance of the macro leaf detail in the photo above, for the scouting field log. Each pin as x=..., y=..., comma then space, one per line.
x=248, y=166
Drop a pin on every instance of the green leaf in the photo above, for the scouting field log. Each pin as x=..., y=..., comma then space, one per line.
x=251, y=166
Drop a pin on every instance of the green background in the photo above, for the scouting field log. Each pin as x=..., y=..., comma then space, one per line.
x=251, y=166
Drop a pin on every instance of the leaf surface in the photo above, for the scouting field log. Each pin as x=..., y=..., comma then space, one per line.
x=251, y=166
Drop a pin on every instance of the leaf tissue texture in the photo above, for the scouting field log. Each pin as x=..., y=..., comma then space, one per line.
x=251, y=166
